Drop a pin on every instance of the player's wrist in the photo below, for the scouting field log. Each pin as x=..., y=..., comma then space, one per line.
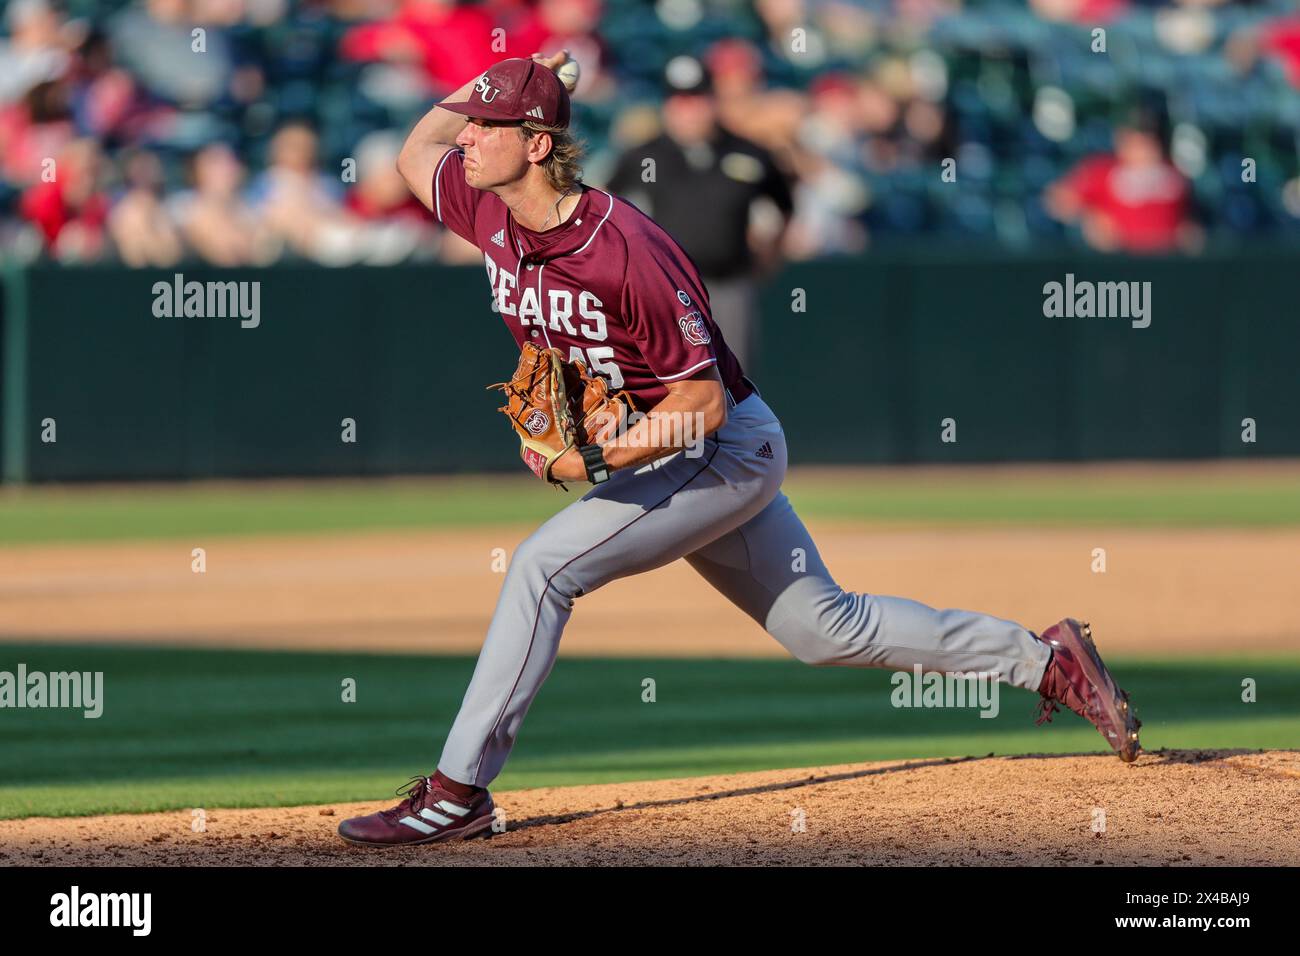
x=597, y=468
x=568, y=466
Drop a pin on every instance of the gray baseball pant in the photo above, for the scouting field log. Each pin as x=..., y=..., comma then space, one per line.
x=724, y=512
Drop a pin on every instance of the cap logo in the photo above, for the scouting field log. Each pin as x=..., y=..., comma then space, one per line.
x=537, y=111
x=482, y=87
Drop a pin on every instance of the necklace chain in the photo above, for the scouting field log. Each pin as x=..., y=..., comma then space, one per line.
x=556, y=210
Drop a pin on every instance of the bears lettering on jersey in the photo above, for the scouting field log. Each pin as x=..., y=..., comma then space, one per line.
x=558, y=313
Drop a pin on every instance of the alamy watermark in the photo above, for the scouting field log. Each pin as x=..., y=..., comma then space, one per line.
x=208, y=300
x=683, y=430
x=75, y=908
x=1103, y=300
x=952, y=689
x=82, y=690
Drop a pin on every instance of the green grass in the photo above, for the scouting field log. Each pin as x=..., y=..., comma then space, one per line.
x=184, y=729
x=1166, y=500
x=36, y=515
x=1161, y=498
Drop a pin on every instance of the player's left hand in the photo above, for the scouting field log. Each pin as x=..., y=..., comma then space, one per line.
x=556, y=407
x=569, y=467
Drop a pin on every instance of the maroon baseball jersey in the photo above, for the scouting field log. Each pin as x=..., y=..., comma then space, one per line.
x=608, y=286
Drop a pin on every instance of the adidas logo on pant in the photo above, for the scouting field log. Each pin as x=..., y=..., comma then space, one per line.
x=765, y=451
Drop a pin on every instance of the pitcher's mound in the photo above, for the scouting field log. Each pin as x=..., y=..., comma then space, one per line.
x=1170, y=807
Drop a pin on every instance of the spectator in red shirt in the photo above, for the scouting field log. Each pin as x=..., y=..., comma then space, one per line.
x=70, y=210
x=1282, y=40
x=1086, y=12
x=565, y=25
x=1133, y=200
x=1275, y=39
x=449, y=41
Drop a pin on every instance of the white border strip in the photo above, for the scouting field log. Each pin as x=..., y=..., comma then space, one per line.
x=598, y=225
x=437, y=182
x=693, y=368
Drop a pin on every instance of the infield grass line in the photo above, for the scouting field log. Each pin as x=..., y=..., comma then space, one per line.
x=1055, y=497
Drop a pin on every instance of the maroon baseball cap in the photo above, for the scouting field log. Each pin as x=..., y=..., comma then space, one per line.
x=517, y=89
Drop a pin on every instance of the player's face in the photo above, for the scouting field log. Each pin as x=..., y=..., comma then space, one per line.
x=494, y=153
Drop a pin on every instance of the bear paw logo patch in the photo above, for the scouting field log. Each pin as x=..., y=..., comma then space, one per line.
x=693, y=329
x=537, y=422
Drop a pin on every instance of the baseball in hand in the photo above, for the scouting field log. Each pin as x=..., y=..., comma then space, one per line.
x=568, y=72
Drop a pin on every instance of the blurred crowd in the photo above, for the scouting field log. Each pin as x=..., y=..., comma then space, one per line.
x=248, y=131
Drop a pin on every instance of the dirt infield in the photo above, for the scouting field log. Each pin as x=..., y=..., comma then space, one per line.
x=1164, y=591
x=1036, y=810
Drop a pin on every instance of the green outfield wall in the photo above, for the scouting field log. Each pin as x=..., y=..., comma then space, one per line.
x=864, y=359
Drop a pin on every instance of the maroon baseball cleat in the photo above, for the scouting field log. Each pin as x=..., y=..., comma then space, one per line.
x=428, y=814
x=1077, y=678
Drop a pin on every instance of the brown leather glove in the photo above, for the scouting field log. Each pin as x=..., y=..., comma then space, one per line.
x=555, y=405
x=601, y=414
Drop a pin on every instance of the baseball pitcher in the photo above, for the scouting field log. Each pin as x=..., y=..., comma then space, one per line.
x=624, y=381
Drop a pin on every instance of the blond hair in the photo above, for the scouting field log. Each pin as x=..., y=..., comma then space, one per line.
x=563, y=165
